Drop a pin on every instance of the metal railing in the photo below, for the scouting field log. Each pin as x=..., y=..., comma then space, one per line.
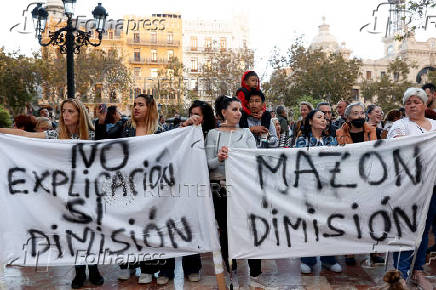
x=174, y=43
x=160, y=61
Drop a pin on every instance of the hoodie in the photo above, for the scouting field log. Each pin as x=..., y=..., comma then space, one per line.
x=243, y=91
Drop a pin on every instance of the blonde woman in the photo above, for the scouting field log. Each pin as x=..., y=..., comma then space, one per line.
x=74, y=123
x=143, y=121
x=43, y=124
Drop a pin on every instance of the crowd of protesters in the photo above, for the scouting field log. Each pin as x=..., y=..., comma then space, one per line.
x=242, y=121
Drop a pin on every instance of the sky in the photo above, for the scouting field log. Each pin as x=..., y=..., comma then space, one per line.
x=271, y=23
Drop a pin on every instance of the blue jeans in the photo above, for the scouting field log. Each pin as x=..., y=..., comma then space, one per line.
x=405, y=261
x=434, y=227
x=311, y=261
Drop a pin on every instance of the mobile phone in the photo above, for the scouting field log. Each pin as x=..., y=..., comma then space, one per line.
x=102, y=108
x=264, y=137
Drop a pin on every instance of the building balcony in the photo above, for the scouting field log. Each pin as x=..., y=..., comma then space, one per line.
x=174, y=43
x=157, y=61
x=115, y=37
x=205, y=49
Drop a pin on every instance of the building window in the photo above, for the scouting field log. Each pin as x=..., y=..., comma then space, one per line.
x=136, y=37
x=355, y=94
x=170, y=54
x=223, y=43
x=137, y=71
x=390, y=50
x=137, y=55
x=368, y=75
x=170, y=38
x=111, y=35
x=194, y=84
x=208, y=43
x=194, y=64
x=194, y=43
x=396, y=76
x=154, y=72
x=154, y=55
x=98, y=90
x=154, y=37
x=113, y=97
x=382, y=74
x=207, y=65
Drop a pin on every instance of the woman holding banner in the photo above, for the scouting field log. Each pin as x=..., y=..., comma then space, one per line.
x=144, y=121
x=313, y=135
x=200, y=113
x=415, y=124
x=74, y=123
x=218, y=143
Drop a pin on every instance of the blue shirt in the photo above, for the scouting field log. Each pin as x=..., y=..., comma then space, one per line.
x=302, y=141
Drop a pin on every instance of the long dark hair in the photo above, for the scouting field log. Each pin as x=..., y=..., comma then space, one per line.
x=307, y=127
x=208, y=116
x=307, y=130
x=110, y=115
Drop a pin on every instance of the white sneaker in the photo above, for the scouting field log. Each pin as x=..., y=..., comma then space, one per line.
x=162, y=280
x=305, y=269
x=124, y=274
x=334, y=268
x=145, y=278
x=194, y=277
x=262, y=282
x=366, y=263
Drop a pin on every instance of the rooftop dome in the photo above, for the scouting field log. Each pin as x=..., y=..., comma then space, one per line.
x=324, y=40
x=55, y=8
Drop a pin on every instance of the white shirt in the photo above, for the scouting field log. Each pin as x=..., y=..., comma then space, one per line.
x=405, y=127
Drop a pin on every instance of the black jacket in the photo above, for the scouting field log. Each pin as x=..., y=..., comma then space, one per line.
x=122, y=129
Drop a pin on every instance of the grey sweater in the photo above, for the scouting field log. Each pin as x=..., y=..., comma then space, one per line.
x=238, y=138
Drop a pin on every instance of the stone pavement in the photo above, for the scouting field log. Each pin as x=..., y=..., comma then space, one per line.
x=285, y=273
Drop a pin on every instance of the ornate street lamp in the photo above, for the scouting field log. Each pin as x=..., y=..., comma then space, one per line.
x=69, y=39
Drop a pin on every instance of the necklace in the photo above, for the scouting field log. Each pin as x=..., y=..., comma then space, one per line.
x=423, y=130
x=420, y=129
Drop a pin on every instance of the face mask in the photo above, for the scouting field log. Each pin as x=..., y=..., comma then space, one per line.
x=358, y=123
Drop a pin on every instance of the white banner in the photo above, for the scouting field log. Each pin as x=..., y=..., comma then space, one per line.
x=361, y=198
x=105, y=202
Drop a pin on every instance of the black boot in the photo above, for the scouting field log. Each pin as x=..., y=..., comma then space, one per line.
x=94, y=275
x=431, y=249
x=376, y=259
x=80, y=277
